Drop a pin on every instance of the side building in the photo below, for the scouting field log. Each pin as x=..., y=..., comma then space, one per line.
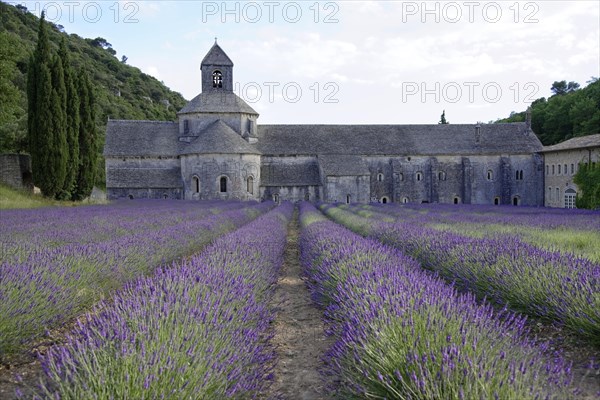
x=562, y=162
x=216, y=150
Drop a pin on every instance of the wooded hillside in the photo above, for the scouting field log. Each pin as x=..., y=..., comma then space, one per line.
x=121, y=91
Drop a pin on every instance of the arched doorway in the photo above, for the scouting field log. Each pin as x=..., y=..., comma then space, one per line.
x=570, y=196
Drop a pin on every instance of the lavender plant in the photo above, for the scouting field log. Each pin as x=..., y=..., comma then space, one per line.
x=550, y=285
x=197, y=329
x=566, y=231
x=402, y=333
x=44, y=288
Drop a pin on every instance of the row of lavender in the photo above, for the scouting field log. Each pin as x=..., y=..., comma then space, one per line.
x=47, y=287
x=401, y=333
x=546, y=218
x=197, y=329
x=547, y=284
x=568, y=231
x=23, y=232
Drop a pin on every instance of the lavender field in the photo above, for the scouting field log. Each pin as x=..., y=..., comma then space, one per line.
x=161, y=299
x=552, y=285
x=57, y=262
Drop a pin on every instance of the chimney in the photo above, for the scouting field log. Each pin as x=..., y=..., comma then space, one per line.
x=528, y=118
x=477, y=132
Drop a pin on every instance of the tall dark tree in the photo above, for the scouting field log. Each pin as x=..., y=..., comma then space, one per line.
x=443, y=119
x=45, y=144
x=72, y=131
x=59, y=152
x=88, y=140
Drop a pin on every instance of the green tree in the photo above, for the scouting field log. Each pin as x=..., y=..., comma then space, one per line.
x=562, y=87
x=443, y=118
x=587, y=180
x=88, y=140
x=569, y=113
x=59, y=152
x=72, y=123
x=46, y=144
x=13, y=136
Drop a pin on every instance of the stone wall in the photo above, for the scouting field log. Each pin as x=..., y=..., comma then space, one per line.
x=143, y=177
x=493, y=179
x=559, y=182
x=202, y=176
x=291, y=193
x=146, y=193
x=347, y=189
x=15, y=171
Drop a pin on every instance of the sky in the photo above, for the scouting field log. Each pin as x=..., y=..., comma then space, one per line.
x=355, y=62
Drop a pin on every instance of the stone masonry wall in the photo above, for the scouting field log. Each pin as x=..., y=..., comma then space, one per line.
x=15, y=171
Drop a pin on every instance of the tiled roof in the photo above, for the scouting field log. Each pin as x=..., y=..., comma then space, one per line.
x=290, y=174
x=451, y=139
x=218, y=138
x=141, y=138
x=343, y=165
x=575, y=143
x=217, y=102
x=216, y=56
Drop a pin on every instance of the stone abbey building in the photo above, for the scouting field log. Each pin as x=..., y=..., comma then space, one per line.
x=216, y=150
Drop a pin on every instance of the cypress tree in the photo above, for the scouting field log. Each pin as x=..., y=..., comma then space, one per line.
x=88, y=152
x=72, y=123
x=39, y=91
x=58, y=151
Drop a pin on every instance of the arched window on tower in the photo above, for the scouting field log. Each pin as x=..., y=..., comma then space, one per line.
x=196, y=184
x=217, y=79
x=380, y=177
x=223, y=184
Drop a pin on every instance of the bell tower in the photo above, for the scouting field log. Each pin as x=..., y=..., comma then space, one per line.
x=217, y=71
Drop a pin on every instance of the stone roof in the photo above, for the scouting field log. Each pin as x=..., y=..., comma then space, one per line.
x=159, y=178
x=451, y=139
x=290, y=174
x=343, y=165
x=218, y=138
x=216, y=56
x=580, y=142
x=217, y=102
x=141, y=138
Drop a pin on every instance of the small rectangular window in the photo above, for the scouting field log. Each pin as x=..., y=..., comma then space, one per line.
x=572, y=169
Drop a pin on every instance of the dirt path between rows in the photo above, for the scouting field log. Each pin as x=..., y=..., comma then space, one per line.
x=299, y=338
